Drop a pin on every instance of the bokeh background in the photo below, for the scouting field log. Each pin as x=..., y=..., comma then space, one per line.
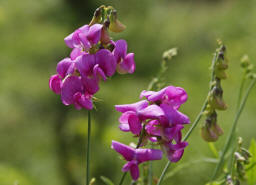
x=43, y=142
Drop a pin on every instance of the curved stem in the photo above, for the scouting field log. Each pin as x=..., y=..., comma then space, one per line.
x=199, y=116
x=230, y=136
x=88, y=150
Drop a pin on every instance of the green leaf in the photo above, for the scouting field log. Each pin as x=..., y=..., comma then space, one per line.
x=106, y=180
x=251, y=167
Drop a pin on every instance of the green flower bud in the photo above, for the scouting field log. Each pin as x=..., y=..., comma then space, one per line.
x=97, y=17
x=245, y=61
x=208, y=134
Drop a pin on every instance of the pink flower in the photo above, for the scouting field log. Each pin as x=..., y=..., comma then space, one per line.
x=174, y=151
x=125, y=62
x=174, y=96
x=84, y=37
x=135, y=157
x=134, y=114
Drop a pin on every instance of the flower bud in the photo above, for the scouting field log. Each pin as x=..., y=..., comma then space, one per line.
x=115, y=24
x=97, y=17
x=208, y=135
x=239, y=157
x=105, y=38
x=245, y=61
x=215, y=99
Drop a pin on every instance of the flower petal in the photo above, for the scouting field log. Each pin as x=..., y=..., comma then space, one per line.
x=124, y=127
x=75, y=53
x=143, y=155
x=85, y=64
x=106, y=61
x=91, y=85
x=134, y=124
x=70, y=86
x=135, y=173
x=126, y=151
x=62, y=67
x=120, y=50
x=132, y=107
x=176, y=151
x=174, y=116
x=94, y=33
x=99, y=73
x=153, y=128
x=55, y=83
x=127, y=65
x=173, y=132
x=151, y=112
x=69, y=40
x=83, y=100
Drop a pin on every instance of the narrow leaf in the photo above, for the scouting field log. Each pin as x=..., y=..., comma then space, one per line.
x=251, y=167
x=106, y=180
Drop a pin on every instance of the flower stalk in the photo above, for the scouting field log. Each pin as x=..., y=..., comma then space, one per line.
x=232, y=131
x=88, y=149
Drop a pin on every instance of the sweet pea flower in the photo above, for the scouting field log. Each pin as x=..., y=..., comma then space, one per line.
x=125, y=62
x=84, y=37
x=134, y=114
x=73, y=92
x=93, y=67
x=174, y=151
x=64, y=67
x=94, y=57
x=55, y=83
x=174, y=96
x=135, y=156
x=174, y=116
x=154, y=128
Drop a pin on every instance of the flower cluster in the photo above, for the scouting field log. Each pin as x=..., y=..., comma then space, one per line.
x=94, y=57
x=156, y=119
x=211, y=131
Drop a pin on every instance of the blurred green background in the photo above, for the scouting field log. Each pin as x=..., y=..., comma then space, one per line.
x=43, y=142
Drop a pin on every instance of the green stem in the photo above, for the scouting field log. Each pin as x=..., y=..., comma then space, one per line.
x=230, y=136
x=88, y=150
x=241, y=91
x=122, y=179
x=199, y=116
x=213, y=149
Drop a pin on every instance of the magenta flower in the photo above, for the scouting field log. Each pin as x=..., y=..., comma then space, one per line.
x=72, y=92
x=174, y=151
x=174, y=96
x=155, y=129
x=93, y=67
x=84, y=37
x=161, y=119
x=125, y=62
x=134, y=114
x=135, y=156
x=55, y=83
x=92, y=58
x=174, y=116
